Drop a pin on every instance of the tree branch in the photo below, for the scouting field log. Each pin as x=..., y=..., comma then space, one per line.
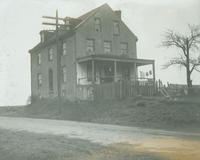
x=175, y=61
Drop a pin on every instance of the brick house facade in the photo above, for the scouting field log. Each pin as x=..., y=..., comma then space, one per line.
x=95, y=48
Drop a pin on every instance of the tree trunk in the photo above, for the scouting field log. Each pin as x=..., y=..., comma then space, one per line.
x=189, y=81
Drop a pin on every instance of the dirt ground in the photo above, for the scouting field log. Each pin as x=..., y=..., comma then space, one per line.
x=29, y=146
x=156, y=112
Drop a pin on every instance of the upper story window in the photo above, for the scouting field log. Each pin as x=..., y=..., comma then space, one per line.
x=90, y=45
x=39, y=80
x=123, y=48
x=116, y=28
x=64, y=74
x=50, y=54
x=64, y=48
x=39, y=58
x=97, y=24
x=107, y=46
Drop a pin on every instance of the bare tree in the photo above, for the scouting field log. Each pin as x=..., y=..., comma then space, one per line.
x=187, y=44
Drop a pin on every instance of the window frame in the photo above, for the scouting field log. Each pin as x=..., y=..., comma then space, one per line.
x=90, y=46
x=39, y=59
x=123, y=49
x=106, y=47
x=97, y=24
x=51, y=80
x=39, y=80
x=114, y=28
x=50, y=54
x=64, y=48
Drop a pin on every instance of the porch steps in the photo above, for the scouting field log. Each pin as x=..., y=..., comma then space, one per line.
x=164, y=92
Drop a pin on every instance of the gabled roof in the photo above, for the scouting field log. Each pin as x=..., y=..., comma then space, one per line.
x=88, y=14
x=77, y=22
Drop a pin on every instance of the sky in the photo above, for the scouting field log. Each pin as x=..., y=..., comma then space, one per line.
x=21, y=22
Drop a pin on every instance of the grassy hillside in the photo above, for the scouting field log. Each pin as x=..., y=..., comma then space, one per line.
x=182, y=114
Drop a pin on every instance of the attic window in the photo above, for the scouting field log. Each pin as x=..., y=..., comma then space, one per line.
x=97, y=24
x=39, y=58
x=116, y=28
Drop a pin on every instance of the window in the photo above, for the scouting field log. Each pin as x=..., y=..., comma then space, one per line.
x=50, y=80
x=64, y=74
x=97, y=24
x=90, y=45
x=116, y=28
x=107, y=47
x=39, y=79
x=124, y=48
x=39, y=58
x=64, y=48
x=50, y=54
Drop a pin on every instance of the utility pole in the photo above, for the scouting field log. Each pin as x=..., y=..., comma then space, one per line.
x=57, y=25
x=56, y=31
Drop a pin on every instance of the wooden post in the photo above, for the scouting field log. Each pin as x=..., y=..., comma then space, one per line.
x=115, y=71
x=154, y=76
x=93, y=80
x=56, y=24
x=93, y=72
x=135, y=72
x=58, y=57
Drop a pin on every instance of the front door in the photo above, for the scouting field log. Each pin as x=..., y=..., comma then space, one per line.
x=106, y=73
x=126, y=73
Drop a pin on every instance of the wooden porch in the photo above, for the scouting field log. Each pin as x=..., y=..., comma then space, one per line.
x=98, y=69
x=113, y=77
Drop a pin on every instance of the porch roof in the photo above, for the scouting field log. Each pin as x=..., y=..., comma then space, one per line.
x=139, y=62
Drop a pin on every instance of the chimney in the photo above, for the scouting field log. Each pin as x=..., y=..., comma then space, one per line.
x=45, y=35
x=118, y=13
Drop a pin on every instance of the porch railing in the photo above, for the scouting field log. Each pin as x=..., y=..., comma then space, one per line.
x=105, y=79
x=117, y=90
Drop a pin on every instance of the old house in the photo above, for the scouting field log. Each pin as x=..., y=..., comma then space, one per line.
x=93, y=49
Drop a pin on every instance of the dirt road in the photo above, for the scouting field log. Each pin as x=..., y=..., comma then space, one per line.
x=168, y=144
x=100, y=133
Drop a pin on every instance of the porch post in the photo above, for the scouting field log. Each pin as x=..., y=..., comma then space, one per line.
x=154, y=76
x=135, y=72
x=115, y=71
x=93, y=72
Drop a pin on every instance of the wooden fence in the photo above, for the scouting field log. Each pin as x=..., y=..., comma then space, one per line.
x=117, y=90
